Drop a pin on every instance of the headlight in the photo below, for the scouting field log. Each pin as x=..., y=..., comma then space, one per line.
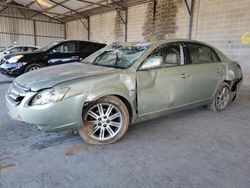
x=49, y=95
x=14, y=59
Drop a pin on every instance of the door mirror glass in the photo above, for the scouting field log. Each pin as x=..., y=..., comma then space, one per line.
x=7, y=52
x=152, y=62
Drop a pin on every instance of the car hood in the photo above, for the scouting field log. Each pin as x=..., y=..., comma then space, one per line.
x=51, y=76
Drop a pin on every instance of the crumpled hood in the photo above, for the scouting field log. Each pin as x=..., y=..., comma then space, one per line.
x=51, y=76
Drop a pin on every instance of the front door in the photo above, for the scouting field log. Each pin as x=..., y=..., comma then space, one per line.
x=165, y=87
x=63, y=53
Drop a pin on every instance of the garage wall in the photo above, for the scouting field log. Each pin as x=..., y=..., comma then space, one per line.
x=170, y=20
x=223, y=23
x=102, y=27
x=136, y=20
x=15, y=29
x=76, y=30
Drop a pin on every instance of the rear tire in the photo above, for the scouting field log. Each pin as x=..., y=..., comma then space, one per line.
x=221, y=98
x=105, y=121
x=33, y=66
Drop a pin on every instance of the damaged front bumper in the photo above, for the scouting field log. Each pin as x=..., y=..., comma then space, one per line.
x=63, y=115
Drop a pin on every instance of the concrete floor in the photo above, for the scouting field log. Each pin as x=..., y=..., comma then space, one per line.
x=195, y=148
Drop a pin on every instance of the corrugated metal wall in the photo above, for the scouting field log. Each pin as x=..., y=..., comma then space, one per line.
x=76, y=30
x=15, y=30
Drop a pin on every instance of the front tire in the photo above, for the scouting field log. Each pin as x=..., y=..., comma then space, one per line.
x=105, y=121
x=32, y=67
x=221, y=98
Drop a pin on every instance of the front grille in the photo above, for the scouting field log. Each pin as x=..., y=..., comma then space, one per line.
x=16, y=93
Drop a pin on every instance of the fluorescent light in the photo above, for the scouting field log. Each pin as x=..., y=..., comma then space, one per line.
x=44, y=3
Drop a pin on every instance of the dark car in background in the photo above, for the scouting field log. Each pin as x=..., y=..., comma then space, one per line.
x=56, y=53
x=17, y=49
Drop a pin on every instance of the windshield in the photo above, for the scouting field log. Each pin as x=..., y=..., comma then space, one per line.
x=45, y=48
x=117, y=55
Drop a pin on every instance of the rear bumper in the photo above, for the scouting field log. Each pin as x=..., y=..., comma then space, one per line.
x=63, y=115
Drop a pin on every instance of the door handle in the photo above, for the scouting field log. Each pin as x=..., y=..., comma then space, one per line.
x=74, y=57
x=185, y=75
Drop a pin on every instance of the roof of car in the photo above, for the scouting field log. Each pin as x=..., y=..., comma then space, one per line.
x=24, y=46
x=74, y=40
x=160, y=42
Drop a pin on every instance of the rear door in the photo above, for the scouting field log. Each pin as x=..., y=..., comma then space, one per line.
x=166, y=87
x=63, y=53
x=206, y=71
x=88, y=48
x=85, y=49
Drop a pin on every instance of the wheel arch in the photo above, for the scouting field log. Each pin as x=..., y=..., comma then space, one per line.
x=124, y=99
x=128, y=105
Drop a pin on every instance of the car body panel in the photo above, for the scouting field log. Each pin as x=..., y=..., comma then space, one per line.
x=166, y=86
x=54, y=75
x=210, y=75
x=147, y=93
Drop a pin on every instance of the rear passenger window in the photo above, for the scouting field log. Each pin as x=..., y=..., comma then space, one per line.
x=85, y=47
x=31, y=49
x=200, y=54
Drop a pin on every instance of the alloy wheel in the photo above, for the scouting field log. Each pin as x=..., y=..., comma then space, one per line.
x=105, y=119
x=34, y=68
x=222, y=98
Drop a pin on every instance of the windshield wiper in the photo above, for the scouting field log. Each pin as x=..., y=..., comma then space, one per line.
x=112, y=66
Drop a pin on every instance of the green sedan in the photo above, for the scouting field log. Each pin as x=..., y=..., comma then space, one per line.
x=123, y=84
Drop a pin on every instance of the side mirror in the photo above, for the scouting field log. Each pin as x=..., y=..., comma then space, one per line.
x=7, y=52
x=152, y=62
x=53, y=52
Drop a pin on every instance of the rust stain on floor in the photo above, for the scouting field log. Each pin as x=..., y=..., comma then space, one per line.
x=74, y=149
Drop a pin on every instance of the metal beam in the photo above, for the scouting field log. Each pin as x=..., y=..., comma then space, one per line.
x=40, y=12
x=88, y=29
x=119, y=4
x=191, y=19
x=66, y=13
x=39, y=5
x=34, y=27
x=77, y=13
x=47, y=9
x=99, y=4
x=119, y=14
x=26, y=8
x=4, y=7
x=188, y=8
x=2, y=15
x=126, y=25
x=49, y=36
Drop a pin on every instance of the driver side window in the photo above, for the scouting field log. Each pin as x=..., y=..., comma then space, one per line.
x=68, y=47
x=14, y=50
x=171, y=55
